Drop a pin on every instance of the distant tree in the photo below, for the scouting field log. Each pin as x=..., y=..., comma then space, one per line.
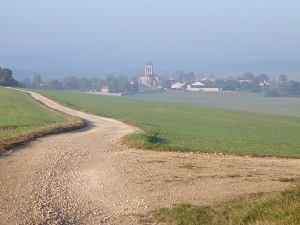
x=262, y=77
x=178, y=76
x=189, y=76
x=219, y=82
x=109, y=77
x=181, y=77
x=26, y=83
x=37, y=81
x=134, y=88
x=248, y=76
x=84, y=84
x=113, y=85
x=282, y=78
x=96, y=84
x=289, y=88
x=163, y=82
x=292, y=87
x=231, y=85
x=273, y=85
x=69, y=83
x=124, y=85
x=6, y=78
x=252, y=82
x=54, y=85
x=246, y=86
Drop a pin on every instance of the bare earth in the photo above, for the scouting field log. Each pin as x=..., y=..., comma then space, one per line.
x=87, y=177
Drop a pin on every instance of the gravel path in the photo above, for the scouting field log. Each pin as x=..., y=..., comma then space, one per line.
x=86, y=177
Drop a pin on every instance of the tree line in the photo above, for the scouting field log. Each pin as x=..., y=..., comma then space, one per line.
x=115, y=84
x=282, y=89
x=261, y=83
x=246, y=82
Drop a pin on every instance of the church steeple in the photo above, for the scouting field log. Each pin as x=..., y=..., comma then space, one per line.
x=149, y=69
x=148, y=79
x=149, y=63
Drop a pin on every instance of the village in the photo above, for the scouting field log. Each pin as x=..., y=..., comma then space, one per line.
x=181, y=81
x=149, y=81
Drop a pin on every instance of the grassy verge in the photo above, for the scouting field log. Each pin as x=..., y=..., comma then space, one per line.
x=23, y=119
x=273, y=208
x=192, y=128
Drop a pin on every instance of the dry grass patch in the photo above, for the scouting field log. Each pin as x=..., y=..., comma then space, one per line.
x=262, y=208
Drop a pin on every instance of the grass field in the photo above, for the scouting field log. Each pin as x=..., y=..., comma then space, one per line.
x=172, y=126
x=23, y=119
x=241, y=101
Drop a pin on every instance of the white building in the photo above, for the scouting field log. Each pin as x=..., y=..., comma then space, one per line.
x=199, y=86
x=177, y=86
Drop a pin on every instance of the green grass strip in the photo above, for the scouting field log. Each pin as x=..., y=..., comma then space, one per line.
x=23, y=119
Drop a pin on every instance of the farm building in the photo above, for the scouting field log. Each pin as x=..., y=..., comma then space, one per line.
x=199, y=86
x=177, y=86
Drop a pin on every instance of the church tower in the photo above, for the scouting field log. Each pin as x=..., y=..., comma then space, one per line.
x=149, y=69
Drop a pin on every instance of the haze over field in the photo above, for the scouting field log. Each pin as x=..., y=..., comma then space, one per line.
x=92, y=38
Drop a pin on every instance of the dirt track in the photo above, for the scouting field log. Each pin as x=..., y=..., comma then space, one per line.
x=86, y=177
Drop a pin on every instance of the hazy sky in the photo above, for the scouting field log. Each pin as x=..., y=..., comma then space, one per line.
x=101, y=32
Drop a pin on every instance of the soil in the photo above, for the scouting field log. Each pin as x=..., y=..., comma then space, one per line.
x=88, y=177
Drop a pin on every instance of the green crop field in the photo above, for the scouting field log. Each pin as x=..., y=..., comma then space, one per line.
x=173, y=126
x=21, y=117
x=242, y=101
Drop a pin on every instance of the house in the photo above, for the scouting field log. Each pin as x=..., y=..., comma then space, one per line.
x=199, y=86
x=105, y=90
